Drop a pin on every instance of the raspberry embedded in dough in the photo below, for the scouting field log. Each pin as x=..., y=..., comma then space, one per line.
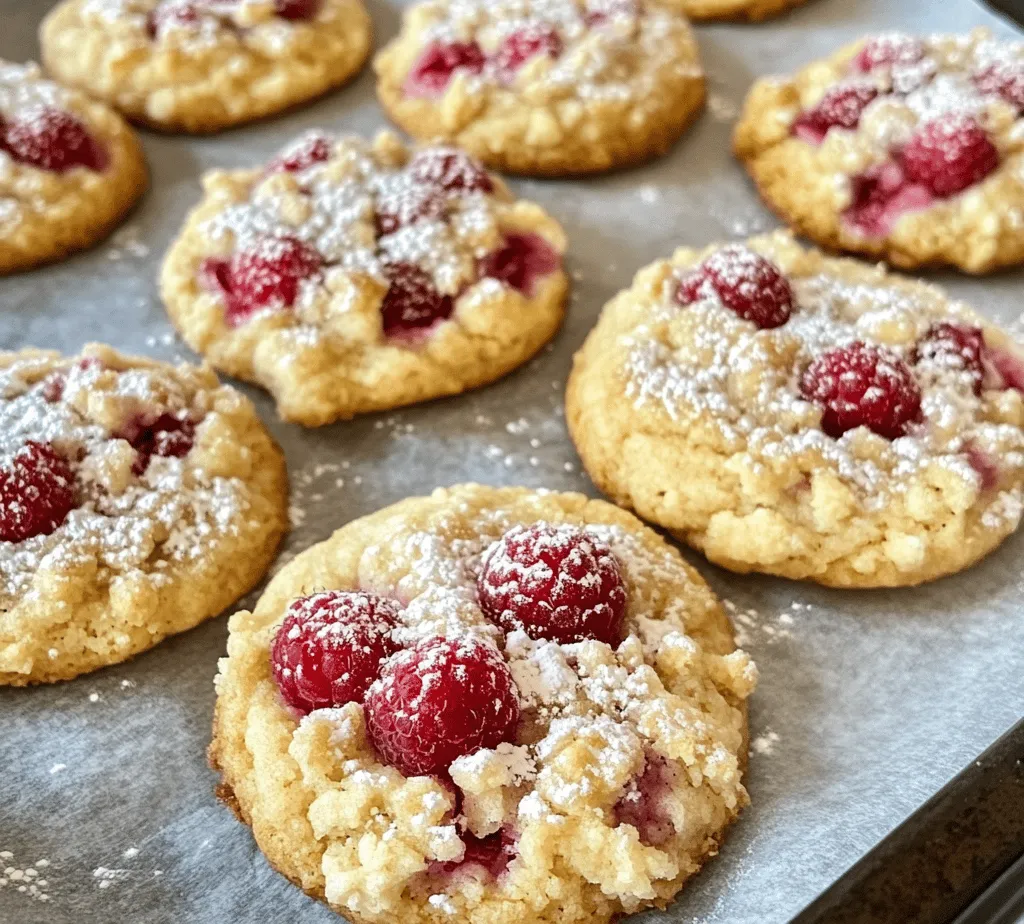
x=887, y=51
x=840, y=107
x=449, y=169
x=37, y=492
x=954, y=347
x=312, y=148
x=432, y=73
x=51, y=139
x=167, y=435
x=521, y=46
x=412, y=304
x=949, y=154
x=521, y=262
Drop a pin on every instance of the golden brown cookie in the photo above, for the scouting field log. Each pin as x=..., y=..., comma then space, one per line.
x=813, y=418
x=545, y=655
x=70, y=169
x=909, y=149
x=204, y=65
x=348, y=276
x=749, y=10
x=136, y=500
x=544, y=88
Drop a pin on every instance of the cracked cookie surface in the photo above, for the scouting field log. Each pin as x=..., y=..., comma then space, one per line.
x=204, y=65
x=901, y=147
x=544, y=87
x=348, y=276
x=809, y=417
x=136, y=500
x=70, y=169
x=613, y=787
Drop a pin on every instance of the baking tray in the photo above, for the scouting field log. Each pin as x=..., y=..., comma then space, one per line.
x=870, y=702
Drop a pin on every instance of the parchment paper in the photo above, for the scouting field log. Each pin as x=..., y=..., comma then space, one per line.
x=869, y=702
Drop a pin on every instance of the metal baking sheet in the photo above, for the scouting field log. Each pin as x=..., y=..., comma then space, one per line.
x=869, y=702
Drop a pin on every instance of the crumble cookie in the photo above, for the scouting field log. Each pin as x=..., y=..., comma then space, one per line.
x=544, y=87
x=808, y=417
x=136, y=500
x=70, y=169
x=749, y=10
x=348, y=276
x=489, y=705
x=204, y=65
x=910, y=149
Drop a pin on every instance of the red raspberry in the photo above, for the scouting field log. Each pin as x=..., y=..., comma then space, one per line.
x=955, y=347
x=330, y=648
x=432, y=73
x=1005, y=79
x=520, y=47
x=863, y=386
x=521, y=261
x=642, y=804
x=175, y=13
x=880, y=195
x=949, y=154
x=168, y=435
x=51, y=139
x=449, y=169
x=37, y=492
x=492, y=854
x=840, y=107
x=312, y=148
x=985, y=464
x=444, y=699
x=745, y=282
x=882, y=51
x=406, y=204
x=554, y=582
x=412, y=304
x=1008, y=367
x=296, y=9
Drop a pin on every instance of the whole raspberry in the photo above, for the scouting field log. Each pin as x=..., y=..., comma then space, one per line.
x=520, y=47
x=521, y=261
x=167, y=435
x=745, y=282
x=882, y=51
x=37, y=492
x=446, y=698
x=433, y=71
x=51, y=139
x=554, y=582
x=1005, y=80
x=312, y=148
x=863, y=386
x=954, y=347
x=412, y=303
x=449, y=169
x=840, y=107
x=330, y=648
x=949, y=154
x=296, y=9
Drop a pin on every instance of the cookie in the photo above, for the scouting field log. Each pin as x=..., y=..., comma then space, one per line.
x=204, y=65
x=70, y=169
x=490, y=705
x=909, y=149
x=136, y=500
x=748, y=10
x=544, y=87
x=810, y=417
x=347, y=276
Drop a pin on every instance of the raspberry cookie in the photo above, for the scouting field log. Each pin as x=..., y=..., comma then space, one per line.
x=808, y=417
x=70, y=169
x=910, y=149
x=347, y=277
x=203, y=65
x=544, y=87
x=136, y=500
x=485, y=705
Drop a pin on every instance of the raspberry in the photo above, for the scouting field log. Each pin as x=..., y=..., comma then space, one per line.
x=554, y=582
x=166, y=435
x=449, y=169
x=954, y=347
x=1005, y=80
x=641, y=805
x=598, y=12
x=296, y=9
x=492, y=853
x=1008, y=367
x=37, y=492
x=330, y=648
x=412, y=303
x=51, y=139
x=949, y=154
x=840, y=107
x=884, y=51
x=312, y=148
x=863, y=386
x=405, y=205
x=986, y=466
x=431, y=74
x=444, y=699
x=745, y=282
x=880, y=195
x=520, y=47
x=521, y=261
x=171, y=15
